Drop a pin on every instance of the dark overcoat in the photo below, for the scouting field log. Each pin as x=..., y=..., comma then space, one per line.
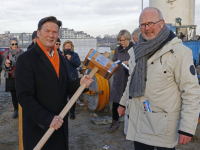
x=72, y=64
x=42, y=95
x=120, y=77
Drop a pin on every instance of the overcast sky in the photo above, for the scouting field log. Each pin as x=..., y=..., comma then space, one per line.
x=96, y=17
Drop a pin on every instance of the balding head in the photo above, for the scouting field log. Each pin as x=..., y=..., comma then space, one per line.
x=147, y=9
x=151, y=22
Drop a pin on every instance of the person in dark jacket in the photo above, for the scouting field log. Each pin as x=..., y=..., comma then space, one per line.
x=34, y=39
x=42, y=85
x=57, y=46
x=8, y=64
x=120, y=77
x=73, y=61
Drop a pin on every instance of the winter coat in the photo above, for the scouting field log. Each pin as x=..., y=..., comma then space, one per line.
x=42, y=95
x=119, y=77
x=125, y=97
x=72, y=64
x=30, y=46
x=59, y=51
x=173, y=93
x=10, y=82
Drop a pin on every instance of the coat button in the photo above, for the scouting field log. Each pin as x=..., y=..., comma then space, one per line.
x=152, y=63
x=165, y=71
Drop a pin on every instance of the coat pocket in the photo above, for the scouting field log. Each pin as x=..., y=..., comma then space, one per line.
x=154, y=123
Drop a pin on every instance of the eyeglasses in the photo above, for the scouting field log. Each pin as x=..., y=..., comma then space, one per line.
x=14, y=44
x=122, y=40
x=150, y=24
x=58, y=44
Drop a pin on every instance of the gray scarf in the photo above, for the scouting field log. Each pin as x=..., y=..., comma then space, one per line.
x=12, y=54
x=143, y=50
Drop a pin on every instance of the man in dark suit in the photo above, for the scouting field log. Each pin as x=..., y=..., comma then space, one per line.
x=42, y=86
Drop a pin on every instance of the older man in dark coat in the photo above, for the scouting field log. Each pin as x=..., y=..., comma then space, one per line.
x=42, y=86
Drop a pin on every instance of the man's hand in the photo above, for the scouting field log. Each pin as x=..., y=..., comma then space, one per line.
x=86, y=80
x=121, y=110
x=56, y=122
x=183, y=139
x=68, y=57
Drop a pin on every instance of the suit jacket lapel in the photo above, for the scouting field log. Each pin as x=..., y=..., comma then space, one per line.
x=45, y=60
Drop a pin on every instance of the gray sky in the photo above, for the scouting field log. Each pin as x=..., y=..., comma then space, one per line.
x=96, y=17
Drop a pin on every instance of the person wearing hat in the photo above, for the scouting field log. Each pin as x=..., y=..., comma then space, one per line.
x=57, y=46
x=34, y=39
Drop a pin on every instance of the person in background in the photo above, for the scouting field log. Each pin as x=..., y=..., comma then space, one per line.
x=136, y=34
x=165, y=80
x=57, y=46
x=120, y=77
x=8, y=64
x=131, y=64
x=42, y=85
x=72, y=61
x=34, y=39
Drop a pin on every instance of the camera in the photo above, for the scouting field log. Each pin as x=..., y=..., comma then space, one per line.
x=67, y=52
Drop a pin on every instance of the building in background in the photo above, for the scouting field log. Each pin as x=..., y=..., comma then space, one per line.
x=66, y=33
x=25, y=39
x=82, y=46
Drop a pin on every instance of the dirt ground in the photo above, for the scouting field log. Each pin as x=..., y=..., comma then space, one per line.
x=83, y=133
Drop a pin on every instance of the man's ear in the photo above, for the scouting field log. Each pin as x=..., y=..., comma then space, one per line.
x=162, y=23
x=38, y=33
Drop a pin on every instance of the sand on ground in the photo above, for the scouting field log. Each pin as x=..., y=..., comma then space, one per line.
x=83, y=133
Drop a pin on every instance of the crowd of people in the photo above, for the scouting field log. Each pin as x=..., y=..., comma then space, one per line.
x=159, y=93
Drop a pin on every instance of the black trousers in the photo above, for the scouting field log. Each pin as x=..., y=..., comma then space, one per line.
x=141, y=146
x=14, y=99
x=72, y=110
x=115, y=115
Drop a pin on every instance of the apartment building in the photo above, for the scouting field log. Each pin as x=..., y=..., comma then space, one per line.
x=26, y=38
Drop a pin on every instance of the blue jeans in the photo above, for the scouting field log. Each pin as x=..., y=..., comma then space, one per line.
x=141, y=146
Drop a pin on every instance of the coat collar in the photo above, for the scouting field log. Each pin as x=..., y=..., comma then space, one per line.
x=169, y=46
x=44, y=59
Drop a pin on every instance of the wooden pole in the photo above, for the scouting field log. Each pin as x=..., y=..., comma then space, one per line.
x=20, y=129
x=64, y=111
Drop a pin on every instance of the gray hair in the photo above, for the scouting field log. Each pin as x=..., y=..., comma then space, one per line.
x=124, y=33
x=136, y=32
x=154, y=8
x=13, y=39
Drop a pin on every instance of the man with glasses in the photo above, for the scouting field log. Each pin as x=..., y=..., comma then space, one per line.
x=57, y=46
x=163, y=88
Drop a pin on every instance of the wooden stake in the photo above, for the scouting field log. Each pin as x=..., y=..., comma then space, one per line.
x=64, y=111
